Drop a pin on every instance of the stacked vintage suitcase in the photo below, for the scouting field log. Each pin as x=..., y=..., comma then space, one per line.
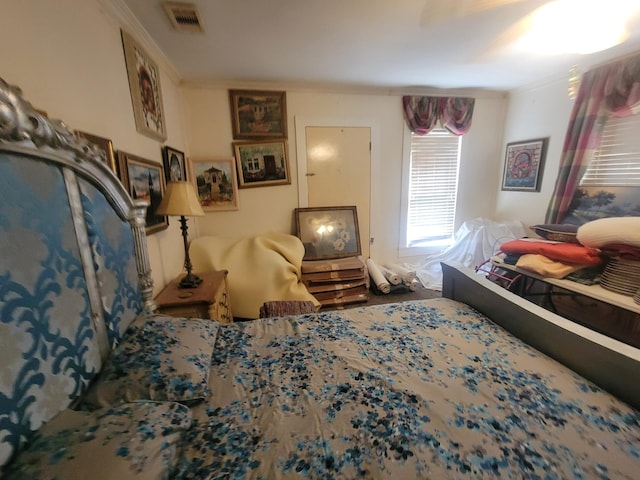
x=338, y=281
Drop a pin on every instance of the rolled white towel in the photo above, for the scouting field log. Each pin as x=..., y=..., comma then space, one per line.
x=393, y=277
x=413, y=284
x=377, y=277
x=406, y=274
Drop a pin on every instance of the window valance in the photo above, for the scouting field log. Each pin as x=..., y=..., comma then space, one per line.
x=423, y=113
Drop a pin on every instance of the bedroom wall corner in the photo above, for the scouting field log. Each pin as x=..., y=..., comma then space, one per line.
x=538, y=111
x=67, y=57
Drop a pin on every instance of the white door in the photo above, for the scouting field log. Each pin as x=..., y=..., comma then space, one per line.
x=338, y=172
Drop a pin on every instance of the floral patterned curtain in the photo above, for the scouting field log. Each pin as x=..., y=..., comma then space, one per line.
x=423, y=113
x=612, y=89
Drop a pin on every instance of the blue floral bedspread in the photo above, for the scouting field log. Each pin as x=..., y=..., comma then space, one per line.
x=424, y=389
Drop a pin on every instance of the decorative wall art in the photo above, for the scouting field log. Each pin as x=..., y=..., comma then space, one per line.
x=258, y=114
x=144, y=83
x=103, y=144
x=328, y=232
x=263, y=163
x=144, y=180
x=215, y=182
x=523, y=165
x=175, y=165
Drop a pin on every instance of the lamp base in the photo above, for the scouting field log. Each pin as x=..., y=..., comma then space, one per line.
x=190, y=281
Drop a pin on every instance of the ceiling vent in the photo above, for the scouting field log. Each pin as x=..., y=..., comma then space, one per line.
x=184, y=16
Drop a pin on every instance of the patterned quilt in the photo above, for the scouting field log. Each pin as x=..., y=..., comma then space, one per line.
x=424, y=389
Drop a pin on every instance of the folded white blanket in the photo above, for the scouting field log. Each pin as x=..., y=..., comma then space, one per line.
x=262, y=268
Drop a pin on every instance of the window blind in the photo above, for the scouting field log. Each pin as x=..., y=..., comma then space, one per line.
x=616, y=162
x=433, y=186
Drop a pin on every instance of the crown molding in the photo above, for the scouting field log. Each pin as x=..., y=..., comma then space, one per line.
x=347, y=89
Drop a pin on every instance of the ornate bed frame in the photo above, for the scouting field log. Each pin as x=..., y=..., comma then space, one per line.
x=73, y=249
x=23, y=128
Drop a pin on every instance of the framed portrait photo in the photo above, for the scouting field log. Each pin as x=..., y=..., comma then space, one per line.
x=258, y=114
x=263, y=163
x=175, y=165
x=328, y=232
x=104, y=145
x=523, y=165
x=144, y=180
x=144, y=84
x=215, y=182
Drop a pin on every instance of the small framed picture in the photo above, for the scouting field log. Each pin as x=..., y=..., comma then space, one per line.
x=103, y=144
x=263, y=163
x=175, y=165
x=144, y=180
x=258, y=114
x=144, y=84
x=328, y=232
x=523, y=165
x=215, y=182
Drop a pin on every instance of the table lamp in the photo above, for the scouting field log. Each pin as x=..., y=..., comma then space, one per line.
x=180, y=199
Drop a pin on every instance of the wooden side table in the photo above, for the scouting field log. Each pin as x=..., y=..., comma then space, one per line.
x=209, y=300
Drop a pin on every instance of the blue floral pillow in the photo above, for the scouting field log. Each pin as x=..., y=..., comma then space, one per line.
x=159, y=358
x=131, y=440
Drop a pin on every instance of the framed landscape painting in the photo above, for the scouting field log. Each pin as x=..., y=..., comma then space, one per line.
x=144, y=180
x=258, y=114
x=263, y=163
x=215, y=182
x=523, y=165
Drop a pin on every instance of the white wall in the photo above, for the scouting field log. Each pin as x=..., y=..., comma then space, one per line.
x=536, y=112
x=67, y=57
x=271, y=208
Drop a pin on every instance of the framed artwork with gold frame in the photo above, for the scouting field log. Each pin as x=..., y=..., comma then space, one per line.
x=103, y=144
x=262, y=163
x=144, y=180
x=257, y=114
x=216, y=184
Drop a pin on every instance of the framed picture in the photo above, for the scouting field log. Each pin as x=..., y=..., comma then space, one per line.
x=263, y=163
x=215, y=182
x=144, y=180
x=144, y=84
x=328, y=232
x=258, y=114
x=175, y=165
x=103, y=144
x=523, y=165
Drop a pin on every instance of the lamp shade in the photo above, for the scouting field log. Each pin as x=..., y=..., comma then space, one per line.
x=180, y=199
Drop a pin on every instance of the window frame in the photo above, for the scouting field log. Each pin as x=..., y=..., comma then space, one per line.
x=403, y=249
x=609, y=157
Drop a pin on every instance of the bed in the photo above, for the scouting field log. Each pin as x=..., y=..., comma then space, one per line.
x=477, y=384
